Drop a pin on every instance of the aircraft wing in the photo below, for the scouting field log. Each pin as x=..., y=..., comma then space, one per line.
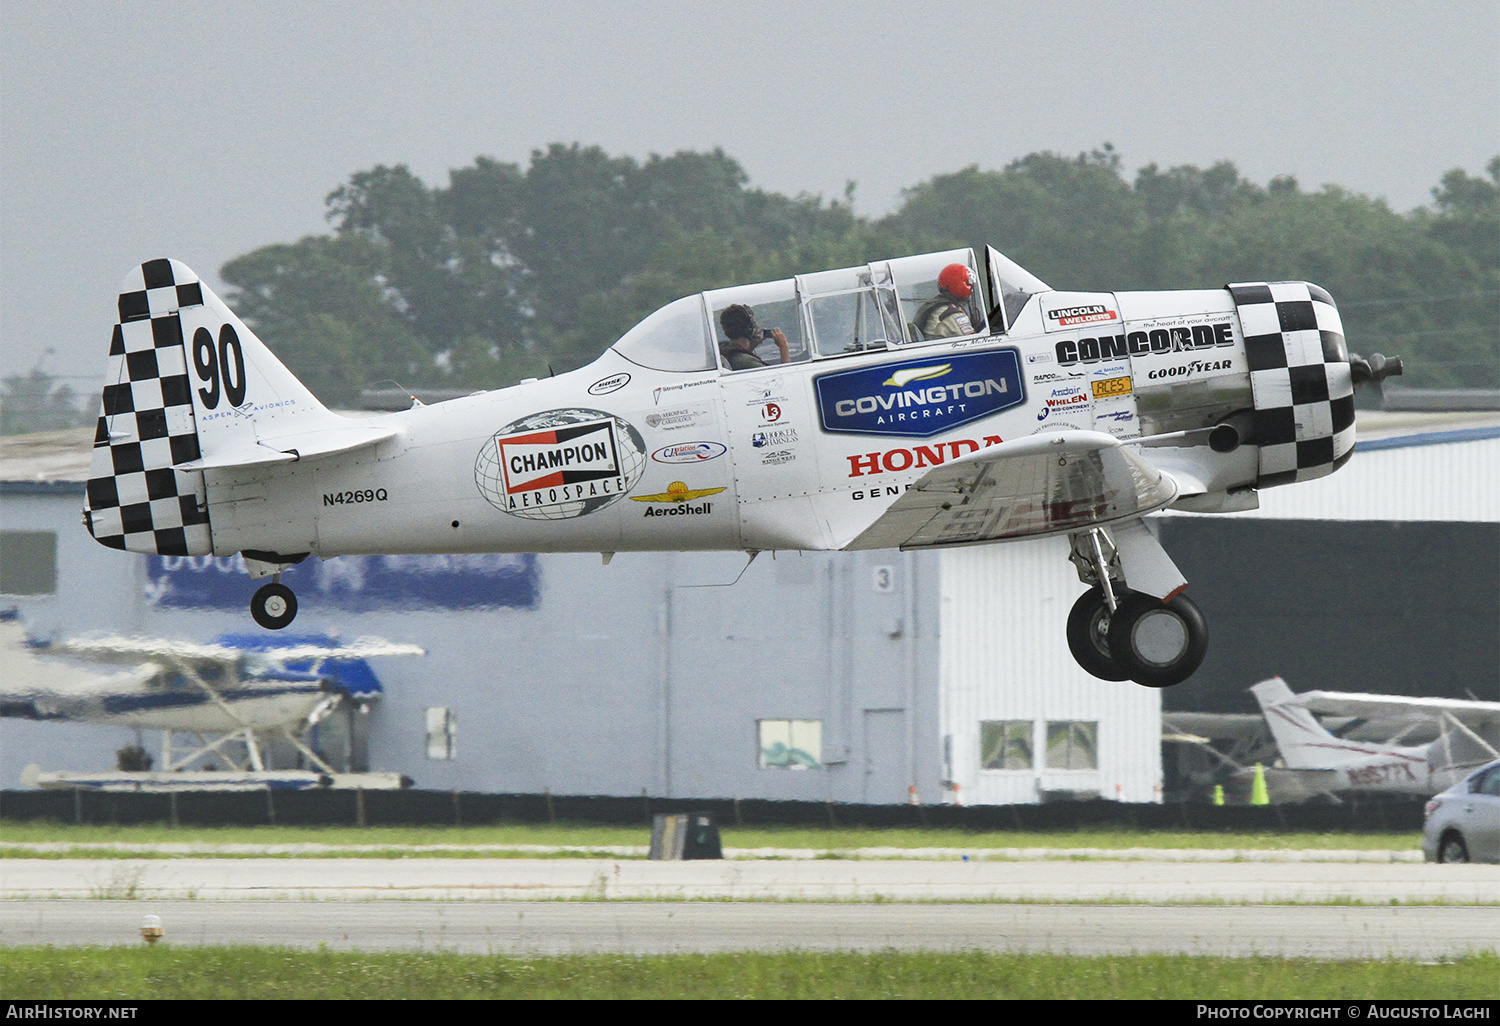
x=122, y=648
x=1396, y=707
x=1043, y=484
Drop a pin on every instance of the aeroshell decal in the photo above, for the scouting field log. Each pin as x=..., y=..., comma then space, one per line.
x=560, y=464
x=922, y=397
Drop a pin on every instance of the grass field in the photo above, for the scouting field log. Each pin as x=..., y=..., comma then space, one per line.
x=265, y=973
x=583, y=836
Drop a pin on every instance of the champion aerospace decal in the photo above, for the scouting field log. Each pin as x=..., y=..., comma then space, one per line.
x=560, y=464
x=920, y=398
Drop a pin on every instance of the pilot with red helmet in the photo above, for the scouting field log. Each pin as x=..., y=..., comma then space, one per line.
x=948, y=313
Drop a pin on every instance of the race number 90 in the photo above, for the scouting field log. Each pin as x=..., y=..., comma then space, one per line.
x=221, y=368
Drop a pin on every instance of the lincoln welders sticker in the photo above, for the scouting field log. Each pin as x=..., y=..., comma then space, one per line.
x=560, y=464
x=920, y=398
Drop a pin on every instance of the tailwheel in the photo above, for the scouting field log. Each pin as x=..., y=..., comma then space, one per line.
x=1157, y=644
x=274, y=606
x=1088, y=636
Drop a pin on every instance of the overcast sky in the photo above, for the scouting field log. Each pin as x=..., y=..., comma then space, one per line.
x=139, y=129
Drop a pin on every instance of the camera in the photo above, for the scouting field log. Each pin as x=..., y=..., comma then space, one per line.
x=767, y=334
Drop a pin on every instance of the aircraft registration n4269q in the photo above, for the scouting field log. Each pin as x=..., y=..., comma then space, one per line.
x=921, y=402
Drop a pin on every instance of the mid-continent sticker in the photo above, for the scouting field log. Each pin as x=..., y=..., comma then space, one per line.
x=560, y=464
x=920, y=398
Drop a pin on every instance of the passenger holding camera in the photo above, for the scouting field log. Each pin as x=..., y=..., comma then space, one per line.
x=743, y=335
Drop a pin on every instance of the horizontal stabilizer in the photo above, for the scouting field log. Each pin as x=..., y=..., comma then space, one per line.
x=121, y=648
x=291, y=448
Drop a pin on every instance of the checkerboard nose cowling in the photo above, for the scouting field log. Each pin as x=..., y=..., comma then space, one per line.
x=1299, y=377
x=136, y=501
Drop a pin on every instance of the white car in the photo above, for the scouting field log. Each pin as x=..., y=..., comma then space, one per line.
x=1463, y=822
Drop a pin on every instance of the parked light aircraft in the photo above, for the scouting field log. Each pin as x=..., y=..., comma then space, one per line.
x=1467, y=733
x=234, y=695
x=888, y=405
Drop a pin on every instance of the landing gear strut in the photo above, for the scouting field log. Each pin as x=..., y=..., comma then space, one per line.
x=1116, y=633
x=274, y=606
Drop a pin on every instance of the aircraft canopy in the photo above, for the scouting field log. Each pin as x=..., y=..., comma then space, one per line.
x=881, y=305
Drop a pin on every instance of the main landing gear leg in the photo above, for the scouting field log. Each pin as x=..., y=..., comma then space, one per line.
x=1088, y=621
x=1118, y=633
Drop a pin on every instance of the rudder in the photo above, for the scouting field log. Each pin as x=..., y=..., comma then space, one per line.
x=136, y=501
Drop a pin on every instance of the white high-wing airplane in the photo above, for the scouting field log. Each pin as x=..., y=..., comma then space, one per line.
x=234, y=695
x=887, y=405
x=1467, y=733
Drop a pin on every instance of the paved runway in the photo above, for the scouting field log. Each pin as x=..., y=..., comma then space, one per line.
x=491, y=905
x=447, y=879
x=541, y=928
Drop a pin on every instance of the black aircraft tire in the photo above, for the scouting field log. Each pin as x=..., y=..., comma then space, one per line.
x=274, y=606
x=1087, y=639
x=1158, y=644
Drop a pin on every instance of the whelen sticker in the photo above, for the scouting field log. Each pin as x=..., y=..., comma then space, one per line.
x=920, y=398
x=560, y=464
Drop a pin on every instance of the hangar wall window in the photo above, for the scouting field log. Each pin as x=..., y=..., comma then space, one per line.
x=28, y=562
x=1073, y=744
x=1005, y=745
x=790, y=744
x=442, y=733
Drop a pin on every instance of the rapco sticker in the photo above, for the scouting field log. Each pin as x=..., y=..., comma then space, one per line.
x=920, y=398
x=1111, y=386
x=560, y=464
x=613, y=383
x=689, y=452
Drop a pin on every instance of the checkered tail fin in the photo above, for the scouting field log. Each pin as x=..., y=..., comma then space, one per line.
x=188, y=386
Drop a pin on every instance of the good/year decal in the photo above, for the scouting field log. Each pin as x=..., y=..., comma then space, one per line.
x=560, y=464
x=920, y=398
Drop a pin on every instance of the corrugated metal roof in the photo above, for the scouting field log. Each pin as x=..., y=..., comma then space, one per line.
x=1447, y=476
x=47, y=456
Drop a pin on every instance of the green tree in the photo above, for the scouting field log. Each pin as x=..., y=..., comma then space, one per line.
x=325, y=306
x=509, y=270
x=37, y=401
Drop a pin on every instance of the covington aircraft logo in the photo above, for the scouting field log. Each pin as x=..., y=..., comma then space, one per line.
x=560, y=464
x=920, y=398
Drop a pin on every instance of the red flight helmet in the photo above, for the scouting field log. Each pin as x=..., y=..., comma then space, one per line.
x=957, y=280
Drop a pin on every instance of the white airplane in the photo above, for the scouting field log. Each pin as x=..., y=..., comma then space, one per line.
x=1467, y=733
x=888, y=405
x=234, y=696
